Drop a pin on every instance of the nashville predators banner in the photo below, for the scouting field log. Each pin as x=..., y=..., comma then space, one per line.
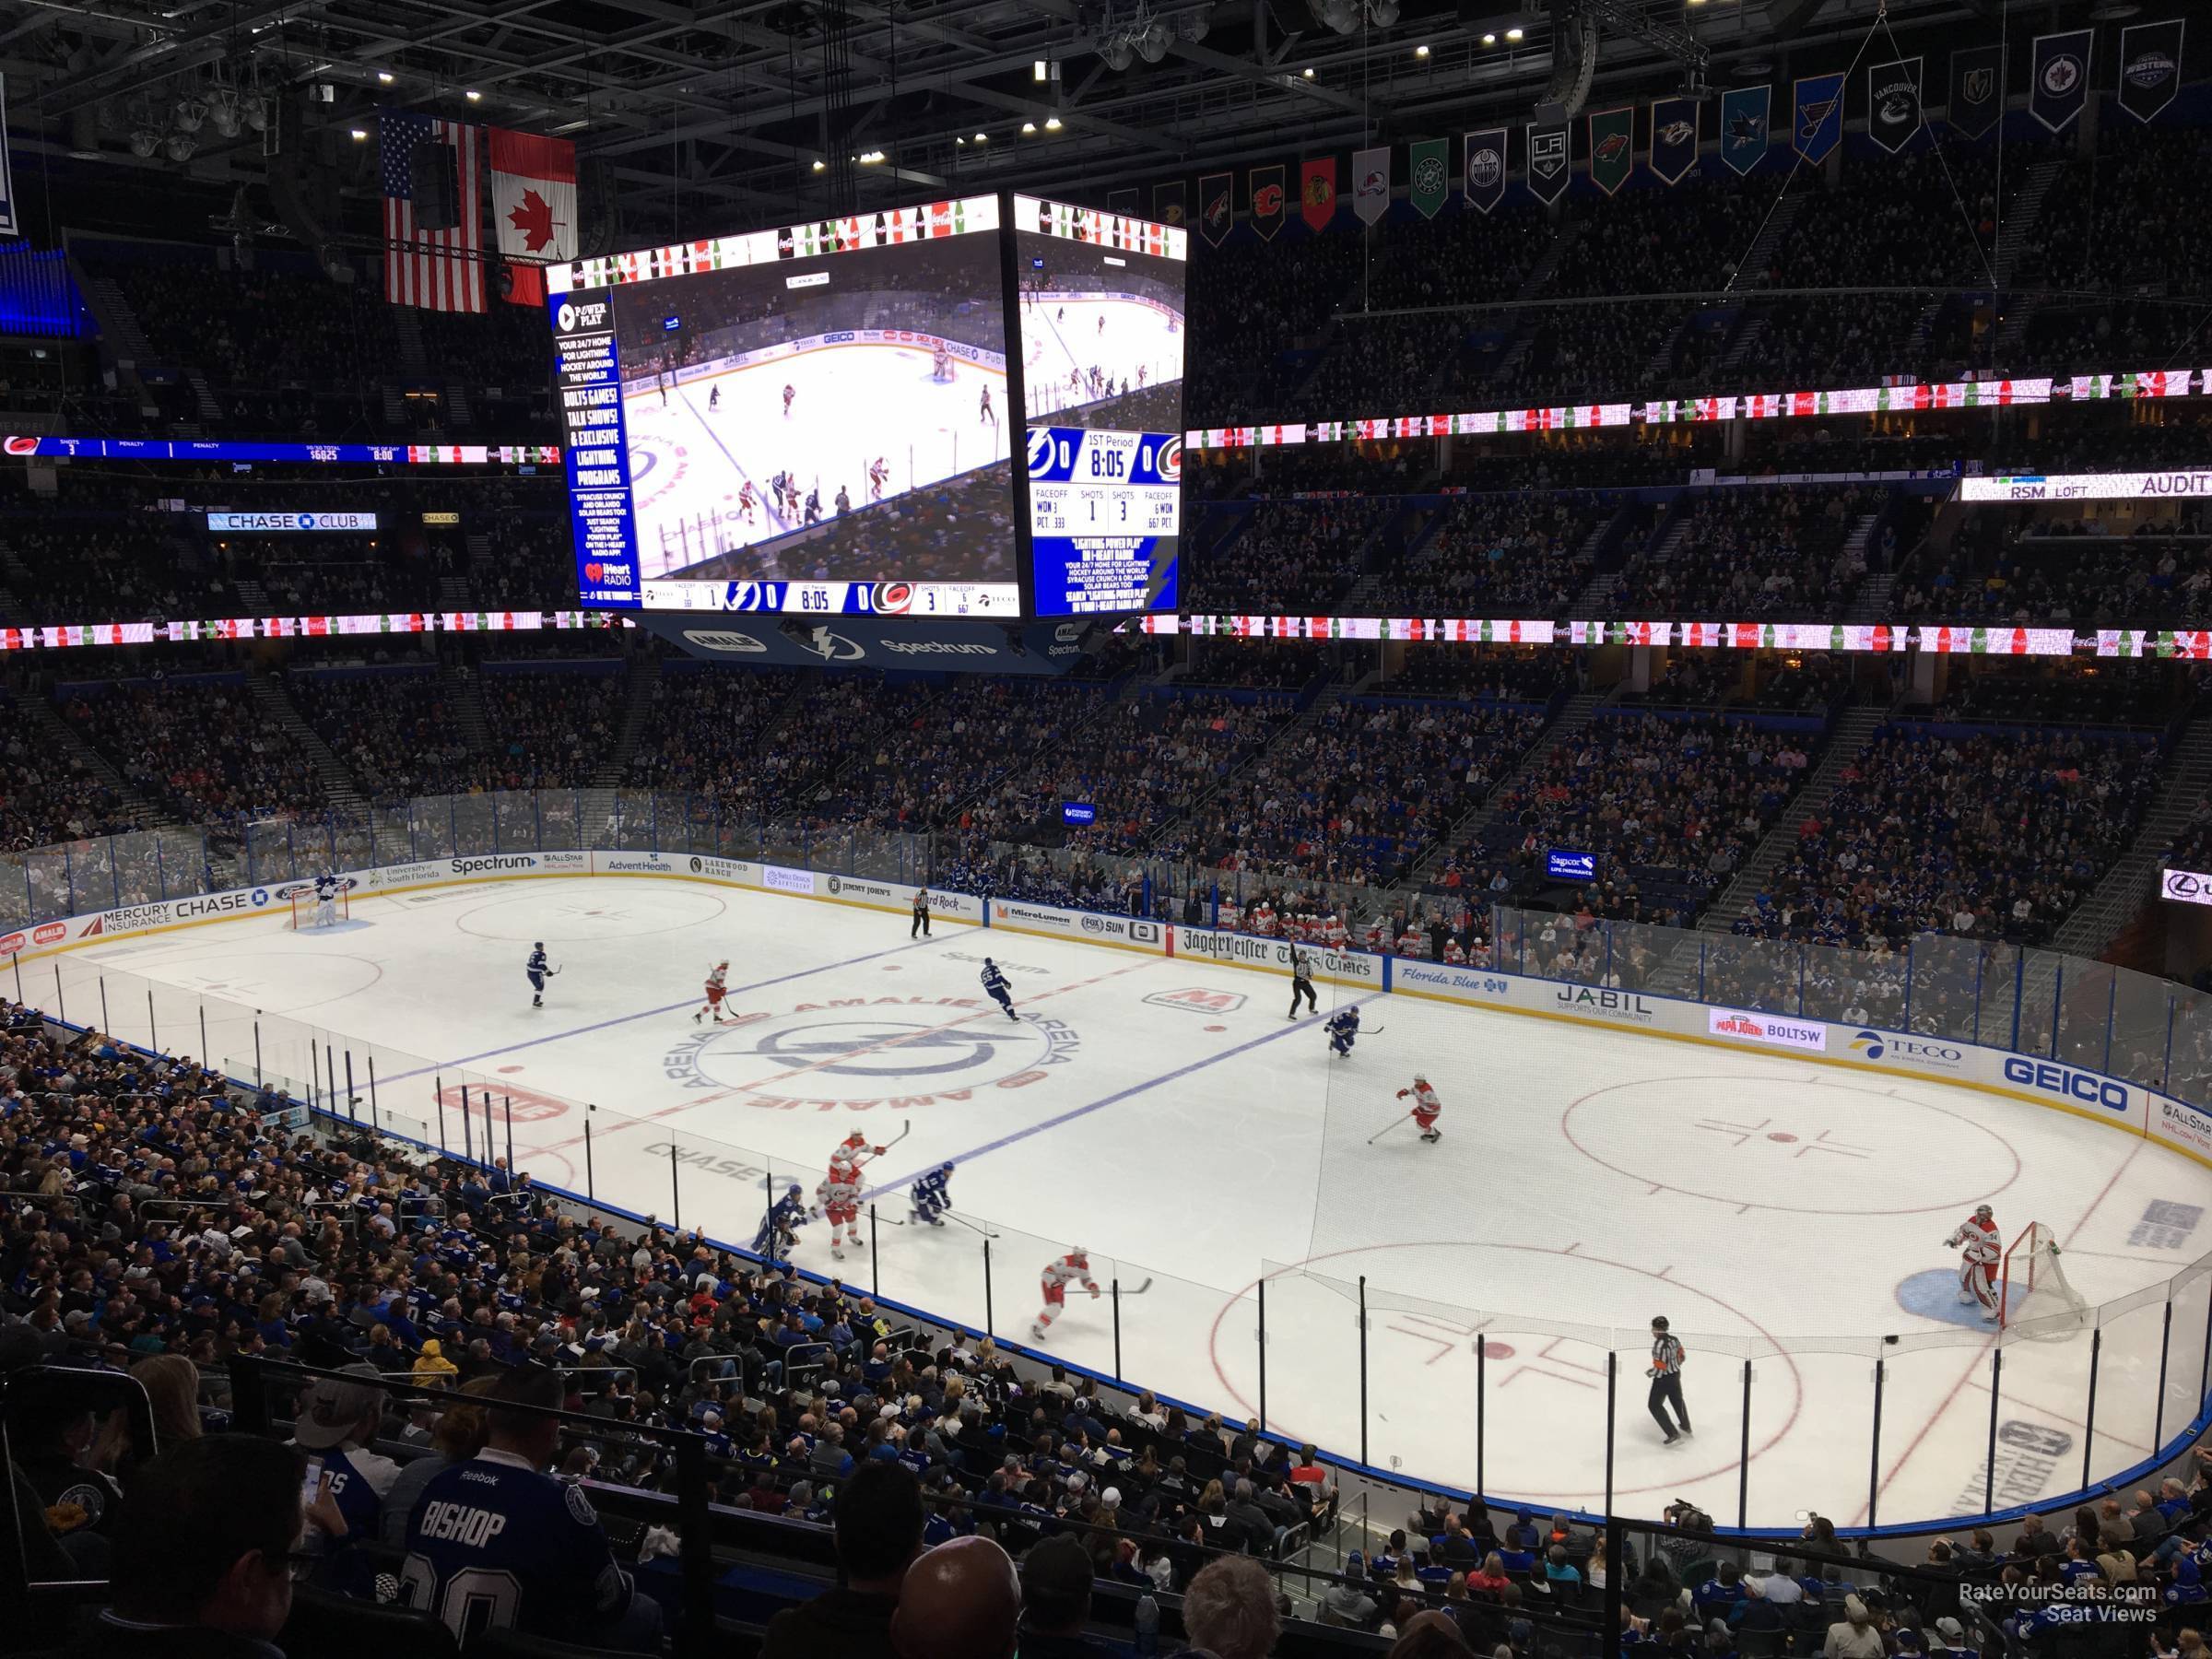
x=1674, y=138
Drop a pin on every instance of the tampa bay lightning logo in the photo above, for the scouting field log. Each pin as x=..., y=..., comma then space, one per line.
x=863, y=1053
x=1041, y=452
x=889, y=1048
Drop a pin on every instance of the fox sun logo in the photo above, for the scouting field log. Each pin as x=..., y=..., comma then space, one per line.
x=857, y=1053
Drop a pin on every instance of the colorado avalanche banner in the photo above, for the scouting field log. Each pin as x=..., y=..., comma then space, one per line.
x=1485, y=168
x=1217, y=206
x=1893, y=103
x=2150, y=68
x=1817, y=126
x=1548, y=149
x=1674, y=138
x=1977, y=90
x=1612, y=148
x=1317, y=192
x=1743, y=112
x=1371, y=184
x=2059, y=84
x=1268, y=200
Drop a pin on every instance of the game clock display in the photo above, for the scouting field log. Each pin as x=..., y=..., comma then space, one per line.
x=1101, y=506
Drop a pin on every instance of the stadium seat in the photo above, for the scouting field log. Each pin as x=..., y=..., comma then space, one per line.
x=345, y=1626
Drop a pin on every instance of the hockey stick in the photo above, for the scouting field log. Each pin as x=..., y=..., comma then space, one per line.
x=973, y=1227
x=1386, y=1128
x=1136, y=1289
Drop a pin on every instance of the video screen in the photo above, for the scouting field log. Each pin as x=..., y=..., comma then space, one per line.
x=810, y=419
x=1102, y=333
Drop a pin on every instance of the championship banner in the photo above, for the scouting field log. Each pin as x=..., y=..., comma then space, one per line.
x=1317, y=192
x=1371, y=184
x=1549, y=160
x=1429, y=175
x=10, y=224
x=1743, y=112
x=2150, y=69
x=2058, y=86
x=1266, y=200
x=1171, y=202
x=1977, y=90
x=1217, y=206
x=1893, y=103
x=1123, y=201
x=1674, y=138
x=1485, y=168
x=1817, y=126
x=1612, y=148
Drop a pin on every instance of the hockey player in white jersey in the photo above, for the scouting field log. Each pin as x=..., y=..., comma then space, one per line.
x=839, y=1194
x=1076, y=1265
x=716, y=991
x=1978, y=1243
x=326, y=901
x=1426, y=1108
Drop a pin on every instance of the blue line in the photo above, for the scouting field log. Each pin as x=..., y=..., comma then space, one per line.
x=513, y=1048
x=715, y=439
x=1130, y=1093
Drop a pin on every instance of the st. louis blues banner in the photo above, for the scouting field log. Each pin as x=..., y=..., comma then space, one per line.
x=1816, y=125
x=1977, y=90
x=1743, y=112
x=2150, y=68
x=1217, y=206
x=1485, y=168
x=1674, y=137
x=1612, y=148
x=2059, y=84
x=1549, y=152
x=1893, y=103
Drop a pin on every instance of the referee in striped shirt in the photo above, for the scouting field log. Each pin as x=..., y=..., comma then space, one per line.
x=1666, y=1384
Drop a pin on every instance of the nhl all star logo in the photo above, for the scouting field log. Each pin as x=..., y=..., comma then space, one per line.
x=2148, y=69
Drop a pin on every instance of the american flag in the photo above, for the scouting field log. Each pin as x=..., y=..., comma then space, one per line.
x=442, y=270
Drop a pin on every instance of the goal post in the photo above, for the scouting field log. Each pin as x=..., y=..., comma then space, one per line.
x=303, y=907
x=2034, y=1299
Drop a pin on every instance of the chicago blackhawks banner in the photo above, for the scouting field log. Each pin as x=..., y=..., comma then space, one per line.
x=1171, y=202
x=1612, y=148
x=1977, y=90
x=1217, y=206
x=2150, y=68
x=2059, y=84
x=1743, y=112
x=1485, y=168
x=1429, y=175
x=1317, y=192
x=1371, y=184
x=1893, y=103
x=1674, y=137
x=1818, y=125
x=1266, y=203
x=1547, y=159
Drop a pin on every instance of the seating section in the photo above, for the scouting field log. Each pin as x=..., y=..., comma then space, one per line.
x=200, y=747
x=1287, y=558
x=549, y=729
x=1788, y=554
x=396, y=731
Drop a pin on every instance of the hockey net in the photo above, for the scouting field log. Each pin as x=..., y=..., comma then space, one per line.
x=303, y=907
x=940, y=364
x=2035, y=1301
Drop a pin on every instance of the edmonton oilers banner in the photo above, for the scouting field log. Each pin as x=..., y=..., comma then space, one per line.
x=1977, y=90
x=2150, y=68
x=1485, y=168
x=1612, y=148
x=1817, y=126
x=1674, y=137
x=1893, y=103
x=2058, y=86
x=1549, y=152
x=1743, y=112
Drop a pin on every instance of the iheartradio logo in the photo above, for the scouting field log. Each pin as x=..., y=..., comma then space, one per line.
x=592, y=573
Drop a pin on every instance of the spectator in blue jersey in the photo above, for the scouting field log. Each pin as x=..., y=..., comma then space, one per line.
x=1719, y=1596
x=338, y=1420
x=879, y=1525
x=499, y=1519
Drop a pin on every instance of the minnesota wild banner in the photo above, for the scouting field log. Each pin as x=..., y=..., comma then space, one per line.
x=1171, y=202
x=2150, y=68
x=1485, y=168
x=1674, y=138
x=1371, y=184
x=1817, y=126
x=1743, y=112
x=1429, y=175
x=1548, y=150
x=1612, y=148
x=1317, y=192
x=1266, y=206
x=2058, y=86
x=1977, y=90
x=1893, y=103
x=1217, y=206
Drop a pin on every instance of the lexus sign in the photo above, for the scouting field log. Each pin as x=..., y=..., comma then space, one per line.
x=2185, y=886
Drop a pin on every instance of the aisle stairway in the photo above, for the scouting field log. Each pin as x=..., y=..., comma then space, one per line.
x=601, y=794
x=278, y=708
x=1579, y=710
x=2132, y=879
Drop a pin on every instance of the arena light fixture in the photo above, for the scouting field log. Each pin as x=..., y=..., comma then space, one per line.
x=358, y=136
x=1420, y=51
x=1040, y=71
x=819, y=164
x=1028, y=126
x=1309, y=74
x=256, y=111
x=181, y=146
x=1117, y=55
x=1490, y=40
x=473, y=96
x=190, y=114
x=1052, y=123
x=384, y=78
x=983, y=137
x=1514, y=34
x=145, y=141
x=1152, y=45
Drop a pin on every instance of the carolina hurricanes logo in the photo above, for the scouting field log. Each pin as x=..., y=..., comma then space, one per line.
x=894, y=598
x=1170, y=461
x=22, y=446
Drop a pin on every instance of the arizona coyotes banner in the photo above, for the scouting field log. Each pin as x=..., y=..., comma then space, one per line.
x=1977, y=90
x=1171, y=202
x=1818, y=125
x=1429, y=175
x=1743, y=112
x=1371, y=184
x=1612, y=148
x=1549, y=152
x=1674, y=138
x=1266, y=203
x=1893, y=103
x=1317, y=192
x=2058, y=86
x=2150, y=68
x=1217, y=206
x=1485, y=168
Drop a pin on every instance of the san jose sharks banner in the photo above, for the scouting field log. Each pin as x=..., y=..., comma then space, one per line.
x=1371, y=184
x=1743, y=112
x=1816, y=124
x=2058, y=86
x=1893, y=103
x=1674, y=138
x=1429, y=175
x=1977, y=90
x=1217, y=206
x=1549, y=152
x=2150, y=68
x=1485, y=168
x=1612, y=148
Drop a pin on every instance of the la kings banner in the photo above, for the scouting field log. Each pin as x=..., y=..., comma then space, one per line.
x=2150, y=68
x=1548, y=151
x=1893, y=103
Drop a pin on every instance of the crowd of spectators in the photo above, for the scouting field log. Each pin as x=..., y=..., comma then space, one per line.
x=2079, y=571
x=707, y=735
x=47, y=796
x=1781, y=553
x=198, y=746
x=391, y=730
x=1496, y=556
x=550, y=729
x=1287, y=559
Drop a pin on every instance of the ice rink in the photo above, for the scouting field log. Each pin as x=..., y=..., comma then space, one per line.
x=1167, y=1115
x=855, y=403
x=1069, y=338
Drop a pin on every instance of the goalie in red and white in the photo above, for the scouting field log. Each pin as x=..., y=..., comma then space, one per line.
x=1076, y=1266
x=716, y=991
x=1980, y=1249
x=1426, y=1108
x=838, y=1196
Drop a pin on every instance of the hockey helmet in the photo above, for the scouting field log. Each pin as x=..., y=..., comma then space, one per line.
x=856, y=1139
x=945, y=1168
x=1983, y=1209
x=794, y=1189
x=1078, y=1251
x=538, y=945
x=1421, y=1077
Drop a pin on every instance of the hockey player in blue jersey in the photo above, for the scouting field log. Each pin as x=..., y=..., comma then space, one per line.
x=326, y=900
x=994, y=983
x=1344, y=1030
x=931, y=1194
x=538, y=970
x=780, y=1228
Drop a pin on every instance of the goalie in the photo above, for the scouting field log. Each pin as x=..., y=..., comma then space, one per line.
x=1977, y=1240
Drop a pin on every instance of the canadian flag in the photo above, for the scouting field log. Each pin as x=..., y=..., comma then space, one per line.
x=533, y=203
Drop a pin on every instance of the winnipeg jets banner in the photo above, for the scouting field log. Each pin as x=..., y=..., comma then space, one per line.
x=2150, y=68
x=1743, y=112
x=1817, y=126
x=1371, y=184
x=1485, y=168
x=1547, y=159
x=1612, y=148
x=1674, y=138
x=2059, y=84
x=1893, y=103
x=1977, y=90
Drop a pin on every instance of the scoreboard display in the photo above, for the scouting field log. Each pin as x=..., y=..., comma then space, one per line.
x=1103, y=505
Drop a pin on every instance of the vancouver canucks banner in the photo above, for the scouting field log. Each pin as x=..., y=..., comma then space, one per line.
x=1547, y=159
x=1485, y=168
x=1674, y=137
x=1123, y=201
x=1612, y=148
x=2059, y=84
x=1266, y=200
x=1817, y=127
x=2150, y=68
x=1743, y=112
x=1977, y=90
x=1429, y=175
x=1893, y=103
x=1217, y=206
x=1371, y=184
x=1171, y=202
